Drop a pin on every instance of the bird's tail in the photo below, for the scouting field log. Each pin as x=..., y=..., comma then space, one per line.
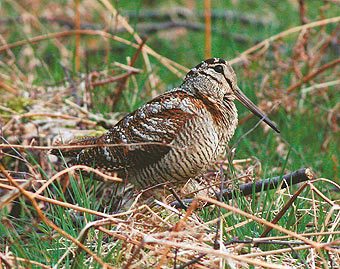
x=73, y=148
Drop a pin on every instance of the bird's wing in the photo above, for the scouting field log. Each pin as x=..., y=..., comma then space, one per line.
x=151, y=130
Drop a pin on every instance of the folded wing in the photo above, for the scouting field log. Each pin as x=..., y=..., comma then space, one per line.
x=139, y=139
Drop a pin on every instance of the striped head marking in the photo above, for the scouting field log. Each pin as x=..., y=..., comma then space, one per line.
x=215, y=80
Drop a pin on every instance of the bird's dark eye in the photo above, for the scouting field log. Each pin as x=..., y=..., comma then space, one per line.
x=218, y=68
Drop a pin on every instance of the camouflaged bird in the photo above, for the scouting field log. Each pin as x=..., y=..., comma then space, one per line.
x=175, y=136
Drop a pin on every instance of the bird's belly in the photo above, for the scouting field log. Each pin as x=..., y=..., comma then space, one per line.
x=189, y=157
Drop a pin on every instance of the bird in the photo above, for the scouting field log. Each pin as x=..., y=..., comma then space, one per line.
x=175, y=136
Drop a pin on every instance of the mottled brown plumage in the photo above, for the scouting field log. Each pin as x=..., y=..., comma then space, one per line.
x=175, y=136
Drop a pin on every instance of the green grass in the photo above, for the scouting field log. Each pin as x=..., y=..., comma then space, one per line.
x=305, y=129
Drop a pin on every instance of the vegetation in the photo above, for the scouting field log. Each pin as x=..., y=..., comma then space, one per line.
x=75, y=67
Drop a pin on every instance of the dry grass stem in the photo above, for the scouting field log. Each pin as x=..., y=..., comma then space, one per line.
x=77, y=46
x=207, y=19
x=13, y=146
x=77, y=167
x=259, y=220
x=313, y=74
x=265, y=43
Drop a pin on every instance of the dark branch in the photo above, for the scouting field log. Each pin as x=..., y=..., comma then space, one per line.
x=180, y=13
x=191, y=262
x=287, y=180
x=166, y=15
x=143, y=28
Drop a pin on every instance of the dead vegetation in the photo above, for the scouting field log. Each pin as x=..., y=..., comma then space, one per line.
x=33, y=114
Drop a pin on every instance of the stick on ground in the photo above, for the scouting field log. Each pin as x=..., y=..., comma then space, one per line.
x=287, y=180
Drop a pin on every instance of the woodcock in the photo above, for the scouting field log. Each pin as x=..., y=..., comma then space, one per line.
x=175, y=136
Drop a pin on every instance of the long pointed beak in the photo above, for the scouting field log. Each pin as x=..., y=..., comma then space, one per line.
x=253, y=108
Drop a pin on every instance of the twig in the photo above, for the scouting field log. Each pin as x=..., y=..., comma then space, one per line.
x=277, y=251
x=302, y=12
x=13, y=194
x=259, y=241
x=73, y=168
x=298, y=256
x=52, y=115
x=77, y=45
x=314, y=189
x=70, y=147
x=284, y=209
x=193, y=261
x=122, y=83
x=178, y=199
x=113, y=79
x=287, y=180
x=8, y=88
x=320, y=86
x=266, y=42
x=3, y=260
x=313, y=74
x=219, y=196
x=28, y=262
x=207, y=20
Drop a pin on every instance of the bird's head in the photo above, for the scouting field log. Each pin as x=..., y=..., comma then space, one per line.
x=215, y=79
